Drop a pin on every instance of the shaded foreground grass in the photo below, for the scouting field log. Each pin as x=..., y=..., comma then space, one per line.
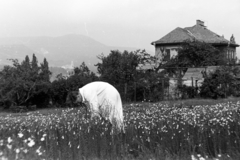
x=153, y=131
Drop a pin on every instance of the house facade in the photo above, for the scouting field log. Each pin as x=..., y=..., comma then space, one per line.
x=167, y=46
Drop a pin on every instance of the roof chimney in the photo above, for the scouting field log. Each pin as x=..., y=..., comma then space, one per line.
x=201, y=23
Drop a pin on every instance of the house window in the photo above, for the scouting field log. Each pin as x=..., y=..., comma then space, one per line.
x=232, y=55
x=167, y=54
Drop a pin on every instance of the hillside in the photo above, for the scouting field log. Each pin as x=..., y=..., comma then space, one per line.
x=59, y=51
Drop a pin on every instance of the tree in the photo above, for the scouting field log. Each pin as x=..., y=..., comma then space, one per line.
x=45, y=73
x=15, y=85
x=26, y=63
x=60, y=87
x=43, y=86
x=121, y=69
x=34, y=68
x=221, y=83
x=195, y=54
x=198, y=54
x=21, y=84
x=34, y=62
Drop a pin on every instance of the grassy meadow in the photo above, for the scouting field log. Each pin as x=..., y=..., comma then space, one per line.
x=187, y=130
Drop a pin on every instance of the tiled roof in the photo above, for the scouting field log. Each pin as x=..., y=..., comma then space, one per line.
x=204, y=34
x=178, y=35
x=198, y=32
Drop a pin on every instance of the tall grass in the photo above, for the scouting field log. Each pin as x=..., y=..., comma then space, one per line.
x=153, y=131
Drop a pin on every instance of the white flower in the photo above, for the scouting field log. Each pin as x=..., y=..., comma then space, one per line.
x=9, y=146
x=20, y=135
x=17, y=150
x=193, y=157
x=38, y=151
x=31, y=143
x=1, y=142
x=42, y=139
x=9, y=140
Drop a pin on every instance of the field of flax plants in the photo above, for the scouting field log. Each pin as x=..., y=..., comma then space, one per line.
x=153, y=131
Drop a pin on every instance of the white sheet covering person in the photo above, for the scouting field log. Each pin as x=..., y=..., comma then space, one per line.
x=104, y=101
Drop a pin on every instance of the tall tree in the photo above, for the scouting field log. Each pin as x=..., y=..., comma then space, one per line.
x=118, y=67
x=35, y=68
x=121, y=70
x=45, y=73
x=34, y=62
x=26, y=62
x=25, y=67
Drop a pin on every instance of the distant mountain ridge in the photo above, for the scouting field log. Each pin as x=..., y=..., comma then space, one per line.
x=59, y=51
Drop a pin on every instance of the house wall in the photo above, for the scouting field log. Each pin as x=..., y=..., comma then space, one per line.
x=173, y=92
x=193, y=82
x=166, y=52
x=229, y=52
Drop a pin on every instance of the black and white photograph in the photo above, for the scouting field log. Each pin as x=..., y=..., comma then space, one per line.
x=119, y=80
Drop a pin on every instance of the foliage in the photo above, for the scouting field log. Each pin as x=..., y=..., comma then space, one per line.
x=123, y=70
x=187, y=91
x=222, y=83
x=151, y=83
x=117, y=67
x=153, y=130
x=60, y=87
x=24, y=84
x=195, y=54
x=45, y=73
x=200, y=54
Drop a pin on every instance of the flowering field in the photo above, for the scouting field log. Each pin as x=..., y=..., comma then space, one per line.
x=153, y=131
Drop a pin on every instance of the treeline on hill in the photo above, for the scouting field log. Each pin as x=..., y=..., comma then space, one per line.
x=28, y=83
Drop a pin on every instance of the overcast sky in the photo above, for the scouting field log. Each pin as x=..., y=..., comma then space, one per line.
x=129, y=23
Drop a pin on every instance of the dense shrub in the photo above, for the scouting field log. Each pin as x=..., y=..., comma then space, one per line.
x=222, y=83
x=63, y=85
